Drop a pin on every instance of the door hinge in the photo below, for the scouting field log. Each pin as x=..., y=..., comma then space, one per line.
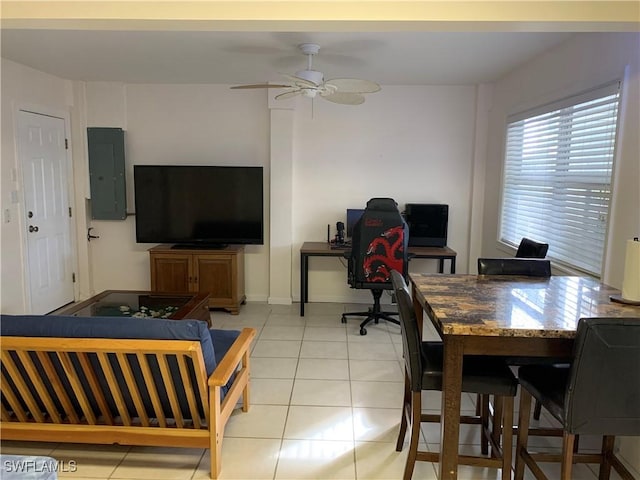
x=73, y=277
x=70, y=214
x=66, y=144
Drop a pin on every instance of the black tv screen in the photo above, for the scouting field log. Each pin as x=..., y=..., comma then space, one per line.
x=198, y=205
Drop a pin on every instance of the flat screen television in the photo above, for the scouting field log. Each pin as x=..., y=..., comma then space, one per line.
x=199, y=205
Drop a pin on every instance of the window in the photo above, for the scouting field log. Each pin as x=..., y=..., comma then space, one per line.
x=557, y=176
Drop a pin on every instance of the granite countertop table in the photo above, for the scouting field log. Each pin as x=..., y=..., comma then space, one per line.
x=507, y=305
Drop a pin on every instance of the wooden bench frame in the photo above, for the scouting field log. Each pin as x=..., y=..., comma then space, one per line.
x=26, y=420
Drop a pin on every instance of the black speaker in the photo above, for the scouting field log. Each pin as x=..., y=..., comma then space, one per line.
x=428, y=224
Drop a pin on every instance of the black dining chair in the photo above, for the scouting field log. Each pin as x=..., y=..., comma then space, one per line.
x=424, y=371
x=531, y=249
x=597, y=394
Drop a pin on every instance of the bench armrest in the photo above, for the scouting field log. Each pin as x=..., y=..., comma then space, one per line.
x=227, y=367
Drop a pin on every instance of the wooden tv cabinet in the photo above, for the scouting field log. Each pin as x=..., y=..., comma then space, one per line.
x=218, y=272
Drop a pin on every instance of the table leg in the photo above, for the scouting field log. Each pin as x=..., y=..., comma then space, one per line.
x=304, y=280
x=450, y=419
x=453, y=264
x=441, y=265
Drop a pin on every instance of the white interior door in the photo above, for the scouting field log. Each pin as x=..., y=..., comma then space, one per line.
x=47, y=216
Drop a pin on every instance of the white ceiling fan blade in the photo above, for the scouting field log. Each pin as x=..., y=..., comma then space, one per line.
x=260, y=85
x=354, y=85
x=345, y=98
x=299, y=82
x=286, y=95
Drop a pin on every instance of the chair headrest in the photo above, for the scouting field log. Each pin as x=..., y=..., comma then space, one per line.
x=531, y=249
x=532, y=267
x=382, y=204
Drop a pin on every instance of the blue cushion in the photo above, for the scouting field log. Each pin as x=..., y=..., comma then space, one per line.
x=222, y=341
x=111, y=327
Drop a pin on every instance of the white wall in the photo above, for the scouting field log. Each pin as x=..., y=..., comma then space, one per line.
x=583, y=62
x=176, y=124
x=22, y=87
x=410, y=143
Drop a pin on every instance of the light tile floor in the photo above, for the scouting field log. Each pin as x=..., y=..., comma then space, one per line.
x=326, y=404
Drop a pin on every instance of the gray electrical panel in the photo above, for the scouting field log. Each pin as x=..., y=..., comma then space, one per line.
x=107, y=173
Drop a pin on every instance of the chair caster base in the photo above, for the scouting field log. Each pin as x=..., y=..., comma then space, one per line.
x=344, y=319
x=363, y=331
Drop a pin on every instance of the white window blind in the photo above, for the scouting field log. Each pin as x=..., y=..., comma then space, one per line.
x=557, y=176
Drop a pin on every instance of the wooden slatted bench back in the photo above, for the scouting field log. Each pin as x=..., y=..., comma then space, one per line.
x=36, y=372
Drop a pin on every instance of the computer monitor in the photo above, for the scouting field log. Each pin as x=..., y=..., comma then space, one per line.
x=353, y=215
x=428, y=224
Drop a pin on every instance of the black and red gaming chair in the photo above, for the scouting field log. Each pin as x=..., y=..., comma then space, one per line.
x=379, y=245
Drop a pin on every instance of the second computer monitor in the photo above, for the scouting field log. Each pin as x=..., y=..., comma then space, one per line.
x=353, y=215
x=428, y=224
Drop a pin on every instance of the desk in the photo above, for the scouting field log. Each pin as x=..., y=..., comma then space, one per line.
x=502, y=315
x=323, y=249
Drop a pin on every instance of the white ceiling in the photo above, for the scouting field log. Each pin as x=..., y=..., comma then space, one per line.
x=389, y=58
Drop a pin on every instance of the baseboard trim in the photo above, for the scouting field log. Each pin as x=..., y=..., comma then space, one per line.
x=280, y=301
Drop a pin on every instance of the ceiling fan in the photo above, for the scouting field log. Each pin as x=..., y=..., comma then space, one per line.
x=311, y=83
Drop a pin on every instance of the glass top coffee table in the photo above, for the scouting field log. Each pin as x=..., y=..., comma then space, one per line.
x=130, y=303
